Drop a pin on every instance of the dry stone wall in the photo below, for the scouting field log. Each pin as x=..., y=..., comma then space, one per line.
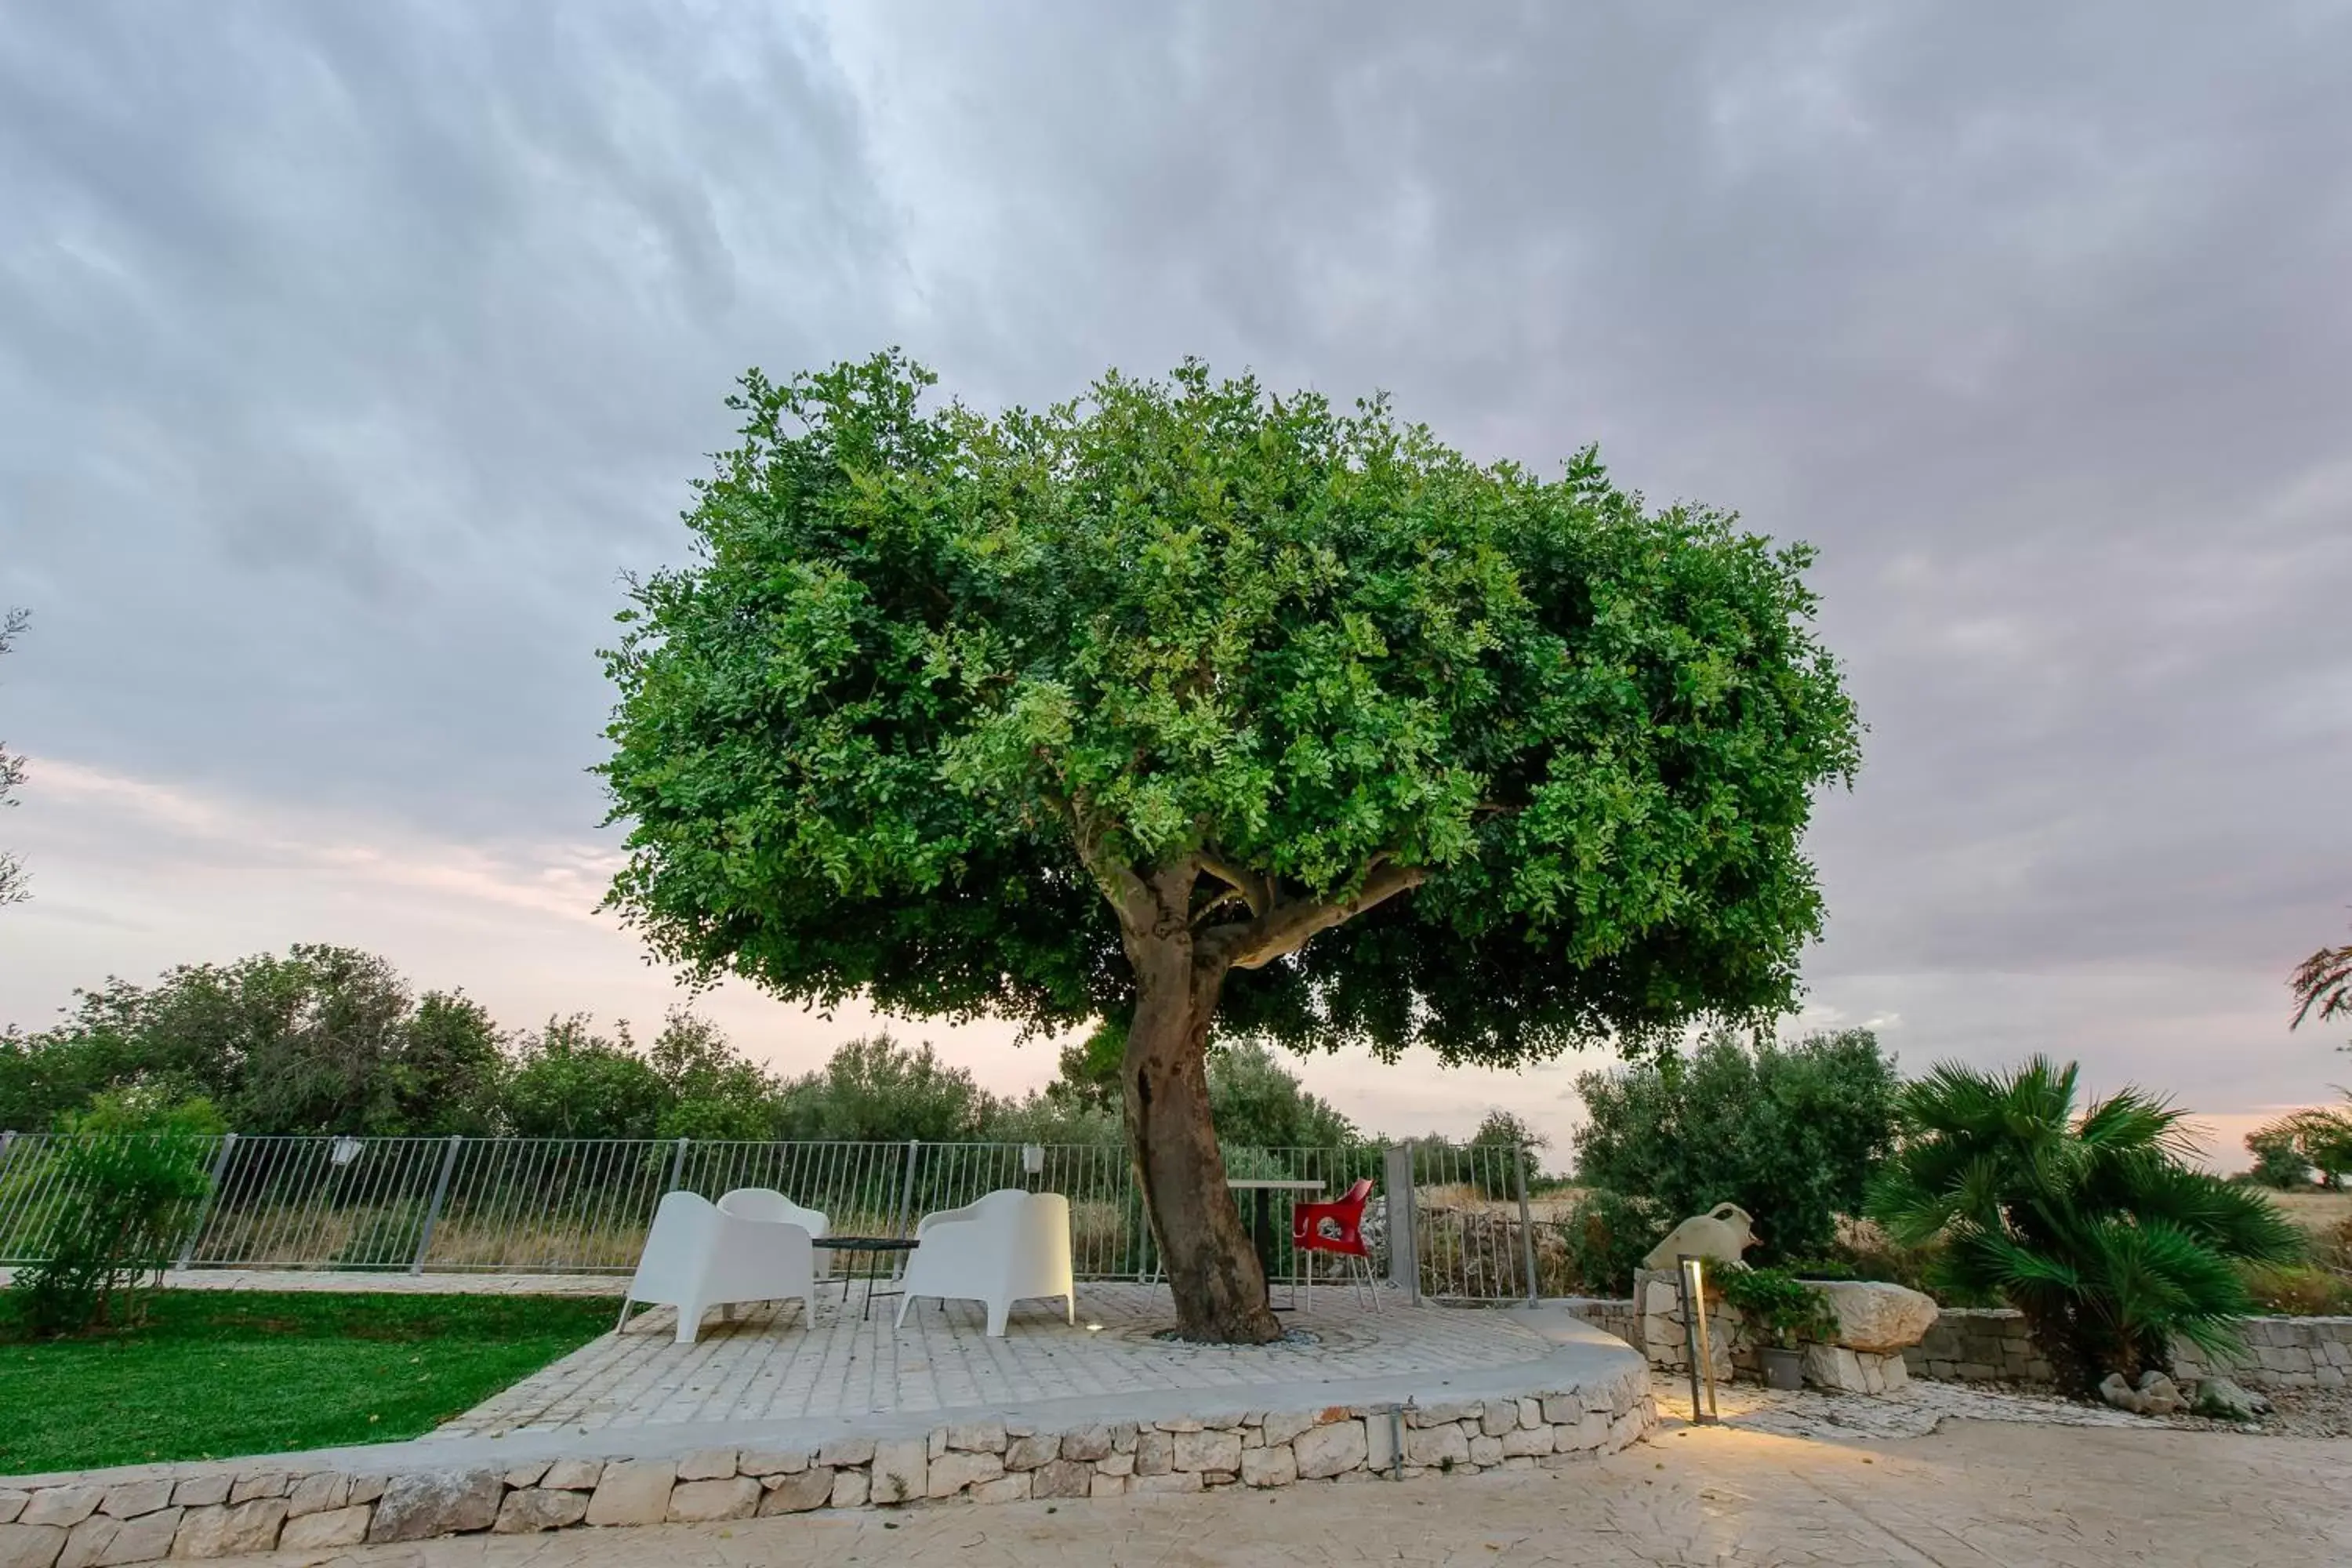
x=222, y=1511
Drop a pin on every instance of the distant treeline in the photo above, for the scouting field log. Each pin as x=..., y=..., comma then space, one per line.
x=331, y=1040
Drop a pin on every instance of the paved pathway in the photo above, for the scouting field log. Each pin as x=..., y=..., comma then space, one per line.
x=767, y=1366
x=1972, y=1496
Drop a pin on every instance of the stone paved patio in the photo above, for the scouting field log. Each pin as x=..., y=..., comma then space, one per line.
x=1972, y=1496
x=770, y=1365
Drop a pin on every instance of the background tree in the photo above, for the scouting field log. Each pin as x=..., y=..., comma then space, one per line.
x=2322, y=983
x=1791, y=1133
x=12, y=773
x=1219, y=714
x=2094, y=1225
x=2315, y=1140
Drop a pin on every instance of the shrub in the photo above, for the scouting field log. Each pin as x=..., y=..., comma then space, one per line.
x=2095, y=1226
x=134, y=1175
x=1607, y=1235
x=2297, y=1289
x=1776, y=1305
x=2278, y=1164
x=1791, y=1133
x=2319, y=1138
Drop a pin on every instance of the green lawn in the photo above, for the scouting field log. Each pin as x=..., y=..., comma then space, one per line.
x=216, y=1374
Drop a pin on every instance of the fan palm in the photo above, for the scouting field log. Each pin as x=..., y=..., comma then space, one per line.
x=2095, y=1226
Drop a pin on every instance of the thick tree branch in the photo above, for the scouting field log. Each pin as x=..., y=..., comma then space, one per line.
x=1288, y=926
x=1256, y=892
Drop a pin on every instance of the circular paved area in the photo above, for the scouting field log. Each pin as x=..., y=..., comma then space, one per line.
x=768, y=1365
x=1970, y=1496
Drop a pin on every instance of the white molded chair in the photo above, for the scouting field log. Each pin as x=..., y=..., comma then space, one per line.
x=1009, y=1247
x=697, y=1256
x=771, y=1207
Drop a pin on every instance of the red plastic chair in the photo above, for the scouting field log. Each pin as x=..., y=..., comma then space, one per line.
x=1337, y=1228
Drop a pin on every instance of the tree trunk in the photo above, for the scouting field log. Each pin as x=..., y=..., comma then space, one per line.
x=1214, y=1271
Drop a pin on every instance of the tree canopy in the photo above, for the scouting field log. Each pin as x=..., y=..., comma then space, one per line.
x=939, y=687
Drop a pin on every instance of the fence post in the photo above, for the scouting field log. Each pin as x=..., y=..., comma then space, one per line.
x=907, y=1187
x=1404, y=1240
x=440, y=1196
x=204, y=1203
x=1526, y=1223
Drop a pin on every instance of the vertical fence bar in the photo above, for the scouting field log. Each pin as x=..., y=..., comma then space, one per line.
x=204, y=1203
x=677, y=1167
x=432, y=1209
x=1527, y=1221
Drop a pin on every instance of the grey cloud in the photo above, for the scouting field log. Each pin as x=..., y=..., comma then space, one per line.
x=349, y=352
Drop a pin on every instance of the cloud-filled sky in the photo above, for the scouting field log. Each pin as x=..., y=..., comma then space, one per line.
x=349, y=354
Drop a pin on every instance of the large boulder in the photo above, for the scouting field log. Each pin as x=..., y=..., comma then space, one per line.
x=2223, y=1400
x=1877, y=1317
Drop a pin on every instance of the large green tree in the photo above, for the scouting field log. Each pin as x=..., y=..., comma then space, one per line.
x=1214, y=711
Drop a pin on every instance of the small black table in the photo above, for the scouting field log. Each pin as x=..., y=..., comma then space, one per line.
x=874, y=1248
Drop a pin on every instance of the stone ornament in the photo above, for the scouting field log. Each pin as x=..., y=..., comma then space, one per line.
x=1720, y=1236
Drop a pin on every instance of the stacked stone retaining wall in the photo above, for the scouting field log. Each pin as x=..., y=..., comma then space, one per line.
x=102, y=1518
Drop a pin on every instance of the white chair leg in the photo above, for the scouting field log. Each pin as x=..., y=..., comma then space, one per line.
x=1071, y=1299
x=905, y=1301
x=997, y=1313
x=625, y=1305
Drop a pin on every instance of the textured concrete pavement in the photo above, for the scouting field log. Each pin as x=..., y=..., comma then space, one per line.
x=1970, y=1496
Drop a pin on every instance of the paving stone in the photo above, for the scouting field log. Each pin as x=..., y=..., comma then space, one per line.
x=798, y=1492
x=843, y=1452
x=420, y=1506
x=1027, y=1453
x=1062, y=1478
x=1275, y=1466
x=237, y=1529
x=145, y=1539
x=952, y=1472
x=132, y=1498
x=1327, y=1450
x=571, y=1475
x=12, y=1503
x=1087, y=1443
x=633, y=1491
x=706, y=1465
x=1282, y=1426
x=335, y=1527
x=706, y=1503
x=30, y=1545
x=977, y=1437
x=1435, y=1446
x=902, y=1470
x=1207, y=1450
x=323, y=1493
x=67, y=1506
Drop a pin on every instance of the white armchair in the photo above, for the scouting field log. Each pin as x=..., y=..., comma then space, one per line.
x=771, y=1206
x=699, y=1256
x=1009, y=1247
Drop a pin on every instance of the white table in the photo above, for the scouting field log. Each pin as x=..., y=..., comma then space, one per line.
x=1262, y=1225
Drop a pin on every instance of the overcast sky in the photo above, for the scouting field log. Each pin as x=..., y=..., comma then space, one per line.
x=349, y=354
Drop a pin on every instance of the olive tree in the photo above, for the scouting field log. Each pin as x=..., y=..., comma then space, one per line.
x=1222, y=715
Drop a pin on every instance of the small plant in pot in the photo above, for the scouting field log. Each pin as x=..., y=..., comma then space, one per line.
x=1784, y=1311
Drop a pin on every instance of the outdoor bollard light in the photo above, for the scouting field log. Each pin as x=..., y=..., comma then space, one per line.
x=345, y=1151
x=1702, y=1356
x=1033, y=1158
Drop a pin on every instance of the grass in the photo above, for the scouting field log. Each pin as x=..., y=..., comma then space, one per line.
x=216, y=1374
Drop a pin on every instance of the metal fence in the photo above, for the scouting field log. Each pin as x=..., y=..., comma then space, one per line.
x=556, y=1205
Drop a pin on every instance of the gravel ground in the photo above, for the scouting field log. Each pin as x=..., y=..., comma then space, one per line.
x=1922, y=1407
